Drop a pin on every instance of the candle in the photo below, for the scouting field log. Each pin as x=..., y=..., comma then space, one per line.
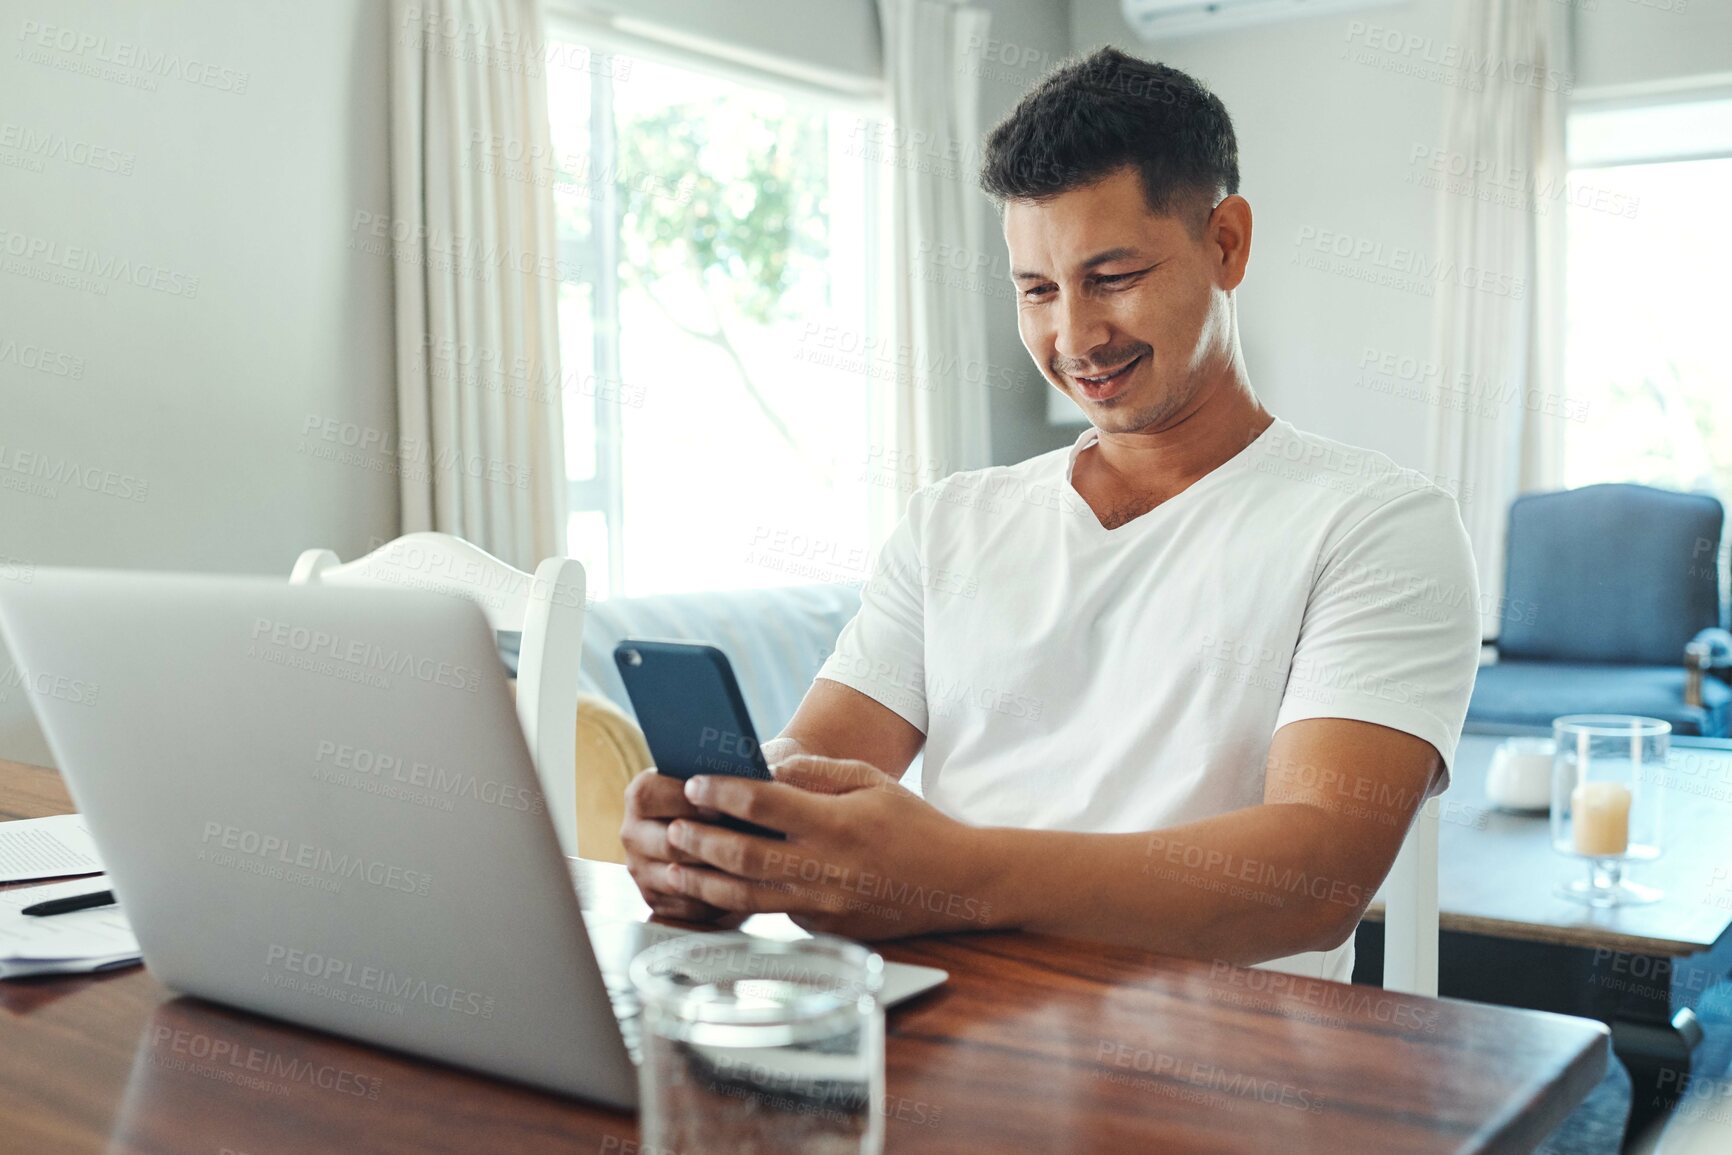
x=1602, y=818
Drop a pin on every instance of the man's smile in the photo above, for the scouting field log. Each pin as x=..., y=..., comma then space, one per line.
x=1105, y=386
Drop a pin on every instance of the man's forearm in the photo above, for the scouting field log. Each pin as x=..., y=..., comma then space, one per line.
x=1245, y=887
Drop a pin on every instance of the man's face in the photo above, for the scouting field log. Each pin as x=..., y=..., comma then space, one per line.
x=1119, y=307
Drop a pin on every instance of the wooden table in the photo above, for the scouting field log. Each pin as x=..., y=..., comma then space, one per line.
x=1508, y=938
x=1035, y=1044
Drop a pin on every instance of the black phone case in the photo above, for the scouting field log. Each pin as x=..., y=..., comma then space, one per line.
x=692, y=713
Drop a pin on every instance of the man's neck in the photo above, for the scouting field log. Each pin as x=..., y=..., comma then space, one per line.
x=1160, y=463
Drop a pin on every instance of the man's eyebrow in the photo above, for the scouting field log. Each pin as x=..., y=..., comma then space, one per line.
x=1095, y=261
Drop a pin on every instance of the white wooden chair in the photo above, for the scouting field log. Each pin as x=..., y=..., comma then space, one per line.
x=1410, y=910
x=548, y=608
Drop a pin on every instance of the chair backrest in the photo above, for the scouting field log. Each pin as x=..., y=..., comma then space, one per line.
x=548, y=609
x=1610, y=573
x=1410, y=910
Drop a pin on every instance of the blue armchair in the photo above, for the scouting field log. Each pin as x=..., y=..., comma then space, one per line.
x=1611, y=605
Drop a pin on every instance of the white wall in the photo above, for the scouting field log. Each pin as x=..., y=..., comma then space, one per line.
x=188, y=406
x=1324, y=145
x=1327, y=129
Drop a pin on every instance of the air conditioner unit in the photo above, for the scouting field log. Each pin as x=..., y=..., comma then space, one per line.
x=1162, y=19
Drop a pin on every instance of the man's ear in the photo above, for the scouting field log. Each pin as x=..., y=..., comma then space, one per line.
x=1229, y=239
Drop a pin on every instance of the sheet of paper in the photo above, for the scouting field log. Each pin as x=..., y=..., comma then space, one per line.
x=54, y=847
x=98, y=934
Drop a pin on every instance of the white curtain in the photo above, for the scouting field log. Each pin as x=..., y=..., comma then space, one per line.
x=936, y=414
x=477, y=273
x=1502, y=351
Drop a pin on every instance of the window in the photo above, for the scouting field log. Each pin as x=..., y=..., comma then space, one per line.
x=1650, y=246
x=727, y=234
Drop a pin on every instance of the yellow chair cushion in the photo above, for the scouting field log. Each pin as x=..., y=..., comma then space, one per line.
x=610, y=752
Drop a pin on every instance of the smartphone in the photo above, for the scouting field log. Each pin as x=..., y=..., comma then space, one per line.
x=692, y=714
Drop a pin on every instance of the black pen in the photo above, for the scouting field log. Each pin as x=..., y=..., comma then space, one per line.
x=70, y=903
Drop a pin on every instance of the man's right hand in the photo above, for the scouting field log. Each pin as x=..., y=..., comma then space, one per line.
x=652, y=802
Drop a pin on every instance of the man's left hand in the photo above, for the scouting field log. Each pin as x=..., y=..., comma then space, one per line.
x=864, y=857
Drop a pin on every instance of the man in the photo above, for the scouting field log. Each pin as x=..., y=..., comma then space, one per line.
x=1196, y=673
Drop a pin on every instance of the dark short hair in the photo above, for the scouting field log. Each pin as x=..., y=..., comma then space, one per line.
x=1091, y=117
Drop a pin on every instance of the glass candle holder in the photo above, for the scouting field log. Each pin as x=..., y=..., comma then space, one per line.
x=1606, y=802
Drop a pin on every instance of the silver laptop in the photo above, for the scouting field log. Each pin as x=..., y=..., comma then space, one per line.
x=316, y=803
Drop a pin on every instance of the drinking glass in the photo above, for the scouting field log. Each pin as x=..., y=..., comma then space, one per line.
x=753, y=1044
x=1606, y=801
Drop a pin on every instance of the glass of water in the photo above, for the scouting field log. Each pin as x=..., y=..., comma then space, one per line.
x=757, y=1045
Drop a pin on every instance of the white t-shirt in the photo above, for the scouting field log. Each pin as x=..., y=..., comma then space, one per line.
x=1070, y=677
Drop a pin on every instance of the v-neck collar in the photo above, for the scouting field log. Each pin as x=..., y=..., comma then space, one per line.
x=1091, y=435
